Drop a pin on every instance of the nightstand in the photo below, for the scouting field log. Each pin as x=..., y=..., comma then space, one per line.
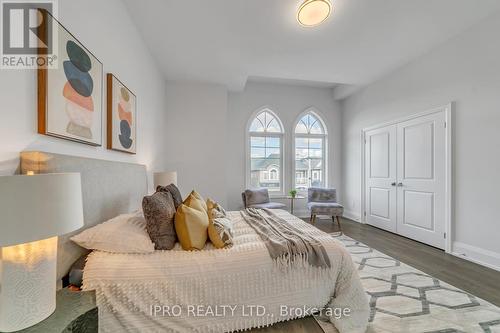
x=76, y=312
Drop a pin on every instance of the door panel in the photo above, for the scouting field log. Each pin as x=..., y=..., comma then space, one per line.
x=421, y=179
x=380, y=171
x=419, y=209
x=418, y=151
x=380, y=202
x=379, y=146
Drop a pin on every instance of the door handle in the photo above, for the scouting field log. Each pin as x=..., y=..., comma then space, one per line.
x=393, y=184
x=400, y=184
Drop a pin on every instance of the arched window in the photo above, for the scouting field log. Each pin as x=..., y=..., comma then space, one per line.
x=310, y=152
x=265, y=152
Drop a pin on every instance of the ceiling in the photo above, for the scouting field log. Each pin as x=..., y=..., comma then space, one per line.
x=228, y=41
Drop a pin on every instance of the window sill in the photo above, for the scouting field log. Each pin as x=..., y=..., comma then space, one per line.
x=285, y=196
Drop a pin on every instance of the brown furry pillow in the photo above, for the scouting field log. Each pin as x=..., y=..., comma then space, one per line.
x=159, y=212
x=174, y=190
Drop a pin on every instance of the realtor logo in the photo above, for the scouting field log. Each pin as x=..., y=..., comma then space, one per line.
x=28, y=34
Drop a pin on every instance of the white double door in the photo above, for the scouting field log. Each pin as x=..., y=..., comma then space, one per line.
x=405, y=176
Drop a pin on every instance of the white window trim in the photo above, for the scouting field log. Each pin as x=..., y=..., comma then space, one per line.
x=248, y=150
x=324, y=138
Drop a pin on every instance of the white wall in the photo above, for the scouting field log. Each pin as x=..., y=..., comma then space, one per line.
x=465, y=70
x=118, y=45
x=288, y=102
x=196, y=131
x=206, y=132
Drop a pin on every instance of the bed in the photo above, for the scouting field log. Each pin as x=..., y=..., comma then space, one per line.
x=188, y=291
x=212, y=290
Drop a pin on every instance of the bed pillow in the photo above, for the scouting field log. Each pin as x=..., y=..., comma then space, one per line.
x=159, y=211
x=174, y=191
x=123, y=234
x=214, y=209
x=191, y=226
x=220, y=228
x=194, y=200
x=220, y=232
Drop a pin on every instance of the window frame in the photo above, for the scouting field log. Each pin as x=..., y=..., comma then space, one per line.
x=324, y=147
x=280, y=135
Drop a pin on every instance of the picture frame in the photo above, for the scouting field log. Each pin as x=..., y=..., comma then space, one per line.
x=121, y=116
x=70, y=96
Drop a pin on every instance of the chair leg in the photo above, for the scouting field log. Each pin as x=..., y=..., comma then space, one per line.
x=340, y=226
x=313, y=218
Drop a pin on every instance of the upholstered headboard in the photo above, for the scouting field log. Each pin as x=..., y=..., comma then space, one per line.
x=109, y=189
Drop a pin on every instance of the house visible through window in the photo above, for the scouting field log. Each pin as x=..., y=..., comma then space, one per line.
x=310, y=141
x=265, y=160
x=265, y=136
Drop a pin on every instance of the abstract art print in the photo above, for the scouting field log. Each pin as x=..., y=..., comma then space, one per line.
x=122, y=113
x=70, y=96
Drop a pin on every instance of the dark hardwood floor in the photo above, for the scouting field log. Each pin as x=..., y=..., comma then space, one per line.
x=475, y=279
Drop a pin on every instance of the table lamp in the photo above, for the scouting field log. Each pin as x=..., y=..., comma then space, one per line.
x=34, y=211
x=165, y=178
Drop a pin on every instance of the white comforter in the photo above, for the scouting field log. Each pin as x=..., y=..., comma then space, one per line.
x=223, y=290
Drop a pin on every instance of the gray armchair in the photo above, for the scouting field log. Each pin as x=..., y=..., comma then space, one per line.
x=323, y=201
x=259, y=199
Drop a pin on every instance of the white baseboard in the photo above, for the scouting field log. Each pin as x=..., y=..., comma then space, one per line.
x=352, y=215
x=477, y=255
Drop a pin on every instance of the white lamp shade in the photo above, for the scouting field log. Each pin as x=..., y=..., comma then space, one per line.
x=165, y=178
x=39, y=207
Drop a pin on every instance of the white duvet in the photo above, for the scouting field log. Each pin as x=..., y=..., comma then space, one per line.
x=223, y=290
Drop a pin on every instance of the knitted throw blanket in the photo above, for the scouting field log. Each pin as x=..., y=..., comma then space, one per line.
x=287, y=245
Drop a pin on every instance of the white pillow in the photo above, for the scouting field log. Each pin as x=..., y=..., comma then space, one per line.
x=122, y=234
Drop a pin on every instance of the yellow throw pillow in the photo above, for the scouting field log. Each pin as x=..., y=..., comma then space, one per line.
x=194, y=200
x=214, y=210
x=220, y=232
x=220, y=228
x=211, y=204
x=191, y=226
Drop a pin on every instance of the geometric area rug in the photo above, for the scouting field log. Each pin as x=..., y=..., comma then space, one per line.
x=404, y=299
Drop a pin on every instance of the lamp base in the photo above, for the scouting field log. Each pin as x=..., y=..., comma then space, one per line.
x=27, y=284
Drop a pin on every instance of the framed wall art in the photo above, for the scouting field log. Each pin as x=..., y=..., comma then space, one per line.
x=70, y=96
x=121, y=116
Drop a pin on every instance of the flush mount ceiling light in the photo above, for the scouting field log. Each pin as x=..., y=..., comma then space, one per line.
x=314, y=12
